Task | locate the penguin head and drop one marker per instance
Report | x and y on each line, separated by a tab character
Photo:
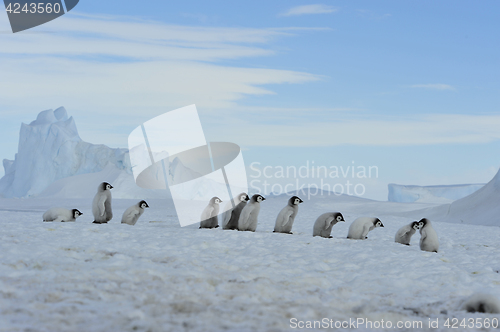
423	222
295	200
215	200
143	204
338	217
415	225
244	197
258	198
76	213
105	186
377	223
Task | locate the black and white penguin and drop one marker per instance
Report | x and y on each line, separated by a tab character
286	217
250	213
209	218
101	206
231	216
428	237
360	227
132	214
61	215
325	222
404	234
482	302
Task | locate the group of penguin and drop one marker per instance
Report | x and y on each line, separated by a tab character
101	209
242	213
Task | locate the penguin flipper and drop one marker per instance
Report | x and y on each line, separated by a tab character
245	214
100	205
366	229
207	213
130	215
226	217
286	218
328	221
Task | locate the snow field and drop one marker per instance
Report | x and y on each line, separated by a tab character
157	276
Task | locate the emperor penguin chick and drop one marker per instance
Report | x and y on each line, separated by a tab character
61	215
360	227
101	206
209	217
482	302
132	214
428	236
404	234
250	213
231	216
325	222
286	217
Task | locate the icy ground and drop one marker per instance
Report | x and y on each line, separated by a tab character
157	276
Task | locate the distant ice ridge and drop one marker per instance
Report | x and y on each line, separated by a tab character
430	194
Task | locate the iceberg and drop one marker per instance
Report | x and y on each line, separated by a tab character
430	194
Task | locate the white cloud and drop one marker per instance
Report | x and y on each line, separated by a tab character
309	9
434	86
344	128
112	73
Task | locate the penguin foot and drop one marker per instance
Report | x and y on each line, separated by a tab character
274	231
216	226
330	237
289	233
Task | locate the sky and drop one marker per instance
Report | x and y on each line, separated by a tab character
408	87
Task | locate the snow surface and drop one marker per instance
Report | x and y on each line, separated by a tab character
157	276
430	194
479	208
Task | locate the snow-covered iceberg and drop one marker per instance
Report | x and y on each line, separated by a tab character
50	149
53	161
430	194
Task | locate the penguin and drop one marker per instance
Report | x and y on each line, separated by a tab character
481	302
360	227
132	214
428	236
61	215
209	216
325	222
249	214
286	217
404	234
101	206
231	216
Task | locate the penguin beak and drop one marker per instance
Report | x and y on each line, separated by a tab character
301	201
381	225
111	187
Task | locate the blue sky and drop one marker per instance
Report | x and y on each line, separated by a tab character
411	87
